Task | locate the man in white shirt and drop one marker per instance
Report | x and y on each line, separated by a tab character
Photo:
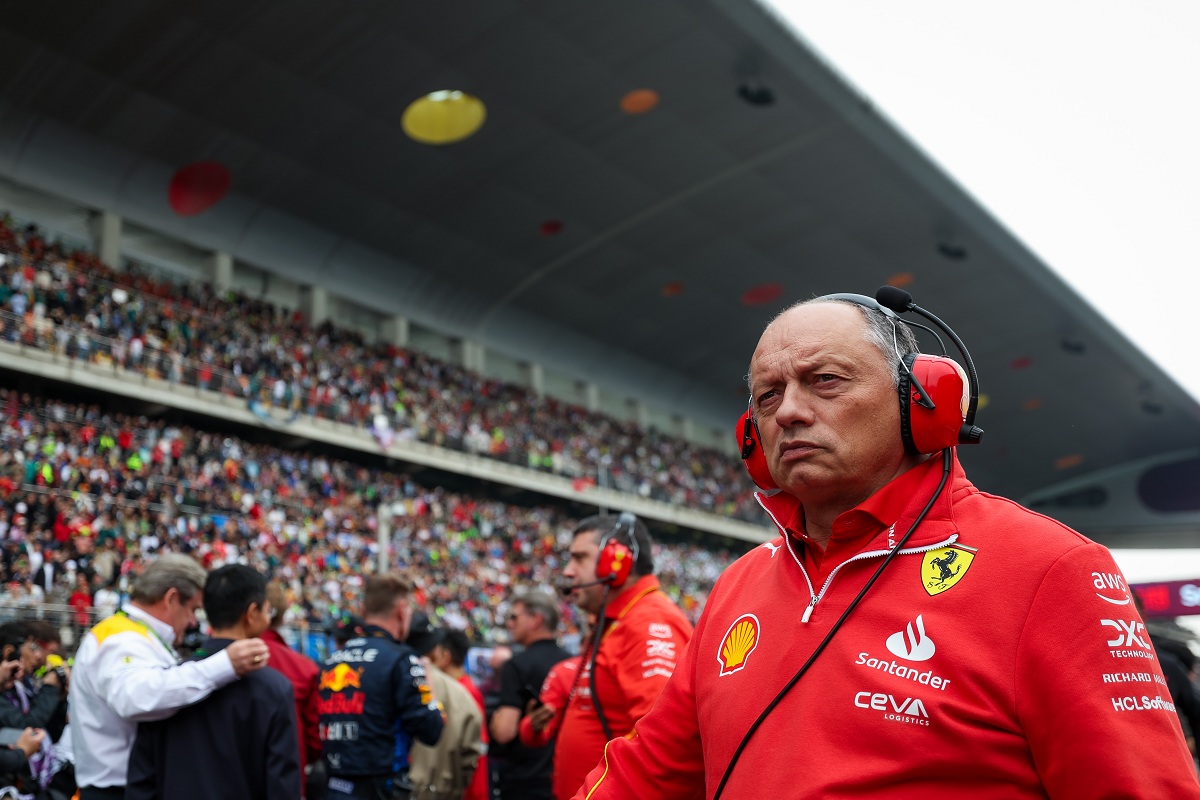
127	671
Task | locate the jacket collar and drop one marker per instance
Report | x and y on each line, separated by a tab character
620	605
374	631
165	632
272	635
214	645
885	516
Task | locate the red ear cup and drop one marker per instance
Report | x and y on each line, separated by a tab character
752	452
923	430
927	430
614	563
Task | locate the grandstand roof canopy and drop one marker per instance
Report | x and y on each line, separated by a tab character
669	236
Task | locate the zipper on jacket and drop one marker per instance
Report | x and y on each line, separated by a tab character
863	557
816	598
787	542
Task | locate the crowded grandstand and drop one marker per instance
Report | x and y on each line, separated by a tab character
324	379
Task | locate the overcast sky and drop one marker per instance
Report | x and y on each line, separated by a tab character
1077	124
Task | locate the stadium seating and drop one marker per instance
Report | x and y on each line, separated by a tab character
102	492
71	303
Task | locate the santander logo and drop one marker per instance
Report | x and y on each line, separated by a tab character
910	644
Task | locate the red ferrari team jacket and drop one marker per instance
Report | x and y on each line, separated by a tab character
999	656
557	687
646	636
556	691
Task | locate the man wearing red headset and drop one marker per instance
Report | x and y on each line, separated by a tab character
635	645
905	635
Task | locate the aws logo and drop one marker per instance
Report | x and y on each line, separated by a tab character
1108	583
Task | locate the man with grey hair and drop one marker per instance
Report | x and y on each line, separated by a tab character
127	671
904	634
532	623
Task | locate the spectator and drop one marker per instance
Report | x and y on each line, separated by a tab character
375	699
450	656
23	705
306	520
127	670
26	703
44	577
105	600
242	346
15	773
81	604
532	622
1178	664
302	672
448	768
241	741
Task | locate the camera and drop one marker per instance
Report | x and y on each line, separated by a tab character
10	648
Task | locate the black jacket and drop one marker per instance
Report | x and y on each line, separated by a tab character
374	698
14	770
239	744
47	709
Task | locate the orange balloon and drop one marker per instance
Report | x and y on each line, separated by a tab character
639	101
1066	462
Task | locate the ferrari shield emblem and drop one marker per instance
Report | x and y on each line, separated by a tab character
941	569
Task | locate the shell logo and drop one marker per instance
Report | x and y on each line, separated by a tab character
739	642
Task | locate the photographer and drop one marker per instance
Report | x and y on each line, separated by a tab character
15	758
22	703
27	764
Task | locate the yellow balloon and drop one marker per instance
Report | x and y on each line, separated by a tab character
443	117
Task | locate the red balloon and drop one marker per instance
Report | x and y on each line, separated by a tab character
198	187
762	294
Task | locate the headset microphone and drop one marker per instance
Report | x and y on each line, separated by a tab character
566	590
896	299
